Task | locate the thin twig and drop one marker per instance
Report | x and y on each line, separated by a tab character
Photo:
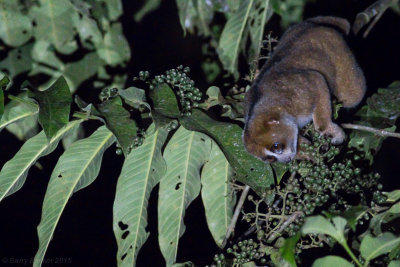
374	22
379	132
285	224
235	216
375	10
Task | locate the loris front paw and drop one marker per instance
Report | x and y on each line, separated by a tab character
336	133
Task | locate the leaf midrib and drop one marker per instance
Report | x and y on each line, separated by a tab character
26	114
184	193
71	192
146	185
376	251
27	166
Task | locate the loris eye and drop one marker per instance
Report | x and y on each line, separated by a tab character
277	148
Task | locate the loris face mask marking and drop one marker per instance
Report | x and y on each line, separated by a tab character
275	142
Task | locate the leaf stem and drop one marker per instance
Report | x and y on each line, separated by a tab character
348	250
379	132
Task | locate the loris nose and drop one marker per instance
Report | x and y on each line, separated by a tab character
287	159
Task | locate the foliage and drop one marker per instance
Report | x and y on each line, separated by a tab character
337	182
39	35
245	22
189	143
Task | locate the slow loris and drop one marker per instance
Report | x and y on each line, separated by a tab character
310	61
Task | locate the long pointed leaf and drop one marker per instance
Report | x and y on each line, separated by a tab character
14	172
142	170
185	153
77	168
15	111
54	21
232	35
217	193
261	12
15	28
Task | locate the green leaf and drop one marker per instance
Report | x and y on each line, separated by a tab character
280	169
164	101
184	264
114	9
228	136
392	213
277	258
54	22
77	168
392	196
229	43
205	13
88	30
352	215
147	8
18	60
381	111
261	12
386	102
291	11
43	52
1	103
115	48
185	154
134	97
372	247
185	7
332	261
394	264
3	85
214	97
15	28
20	117
78	72
54	106
118	121
72	136
367	142
14	172
320	225
289	248
217	193
394	253
141	172
211	70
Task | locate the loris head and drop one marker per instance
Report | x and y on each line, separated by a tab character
271	138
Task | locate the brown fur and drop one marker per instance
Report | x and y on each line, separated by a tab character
310	61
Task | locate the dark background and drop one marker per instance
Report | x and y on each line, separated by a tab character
84	235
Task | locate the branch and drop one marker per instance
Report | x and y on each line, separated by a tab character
235	216
285	224
379	132
375	10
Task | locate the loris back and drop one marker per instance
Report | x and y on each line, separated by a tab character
311	60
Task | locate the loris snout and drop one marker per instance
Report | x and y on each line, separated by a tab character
311	61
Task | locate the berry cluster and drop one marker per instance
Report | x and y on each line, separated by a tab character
172	125
332	179
137	141
107	93
189	96
242	252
